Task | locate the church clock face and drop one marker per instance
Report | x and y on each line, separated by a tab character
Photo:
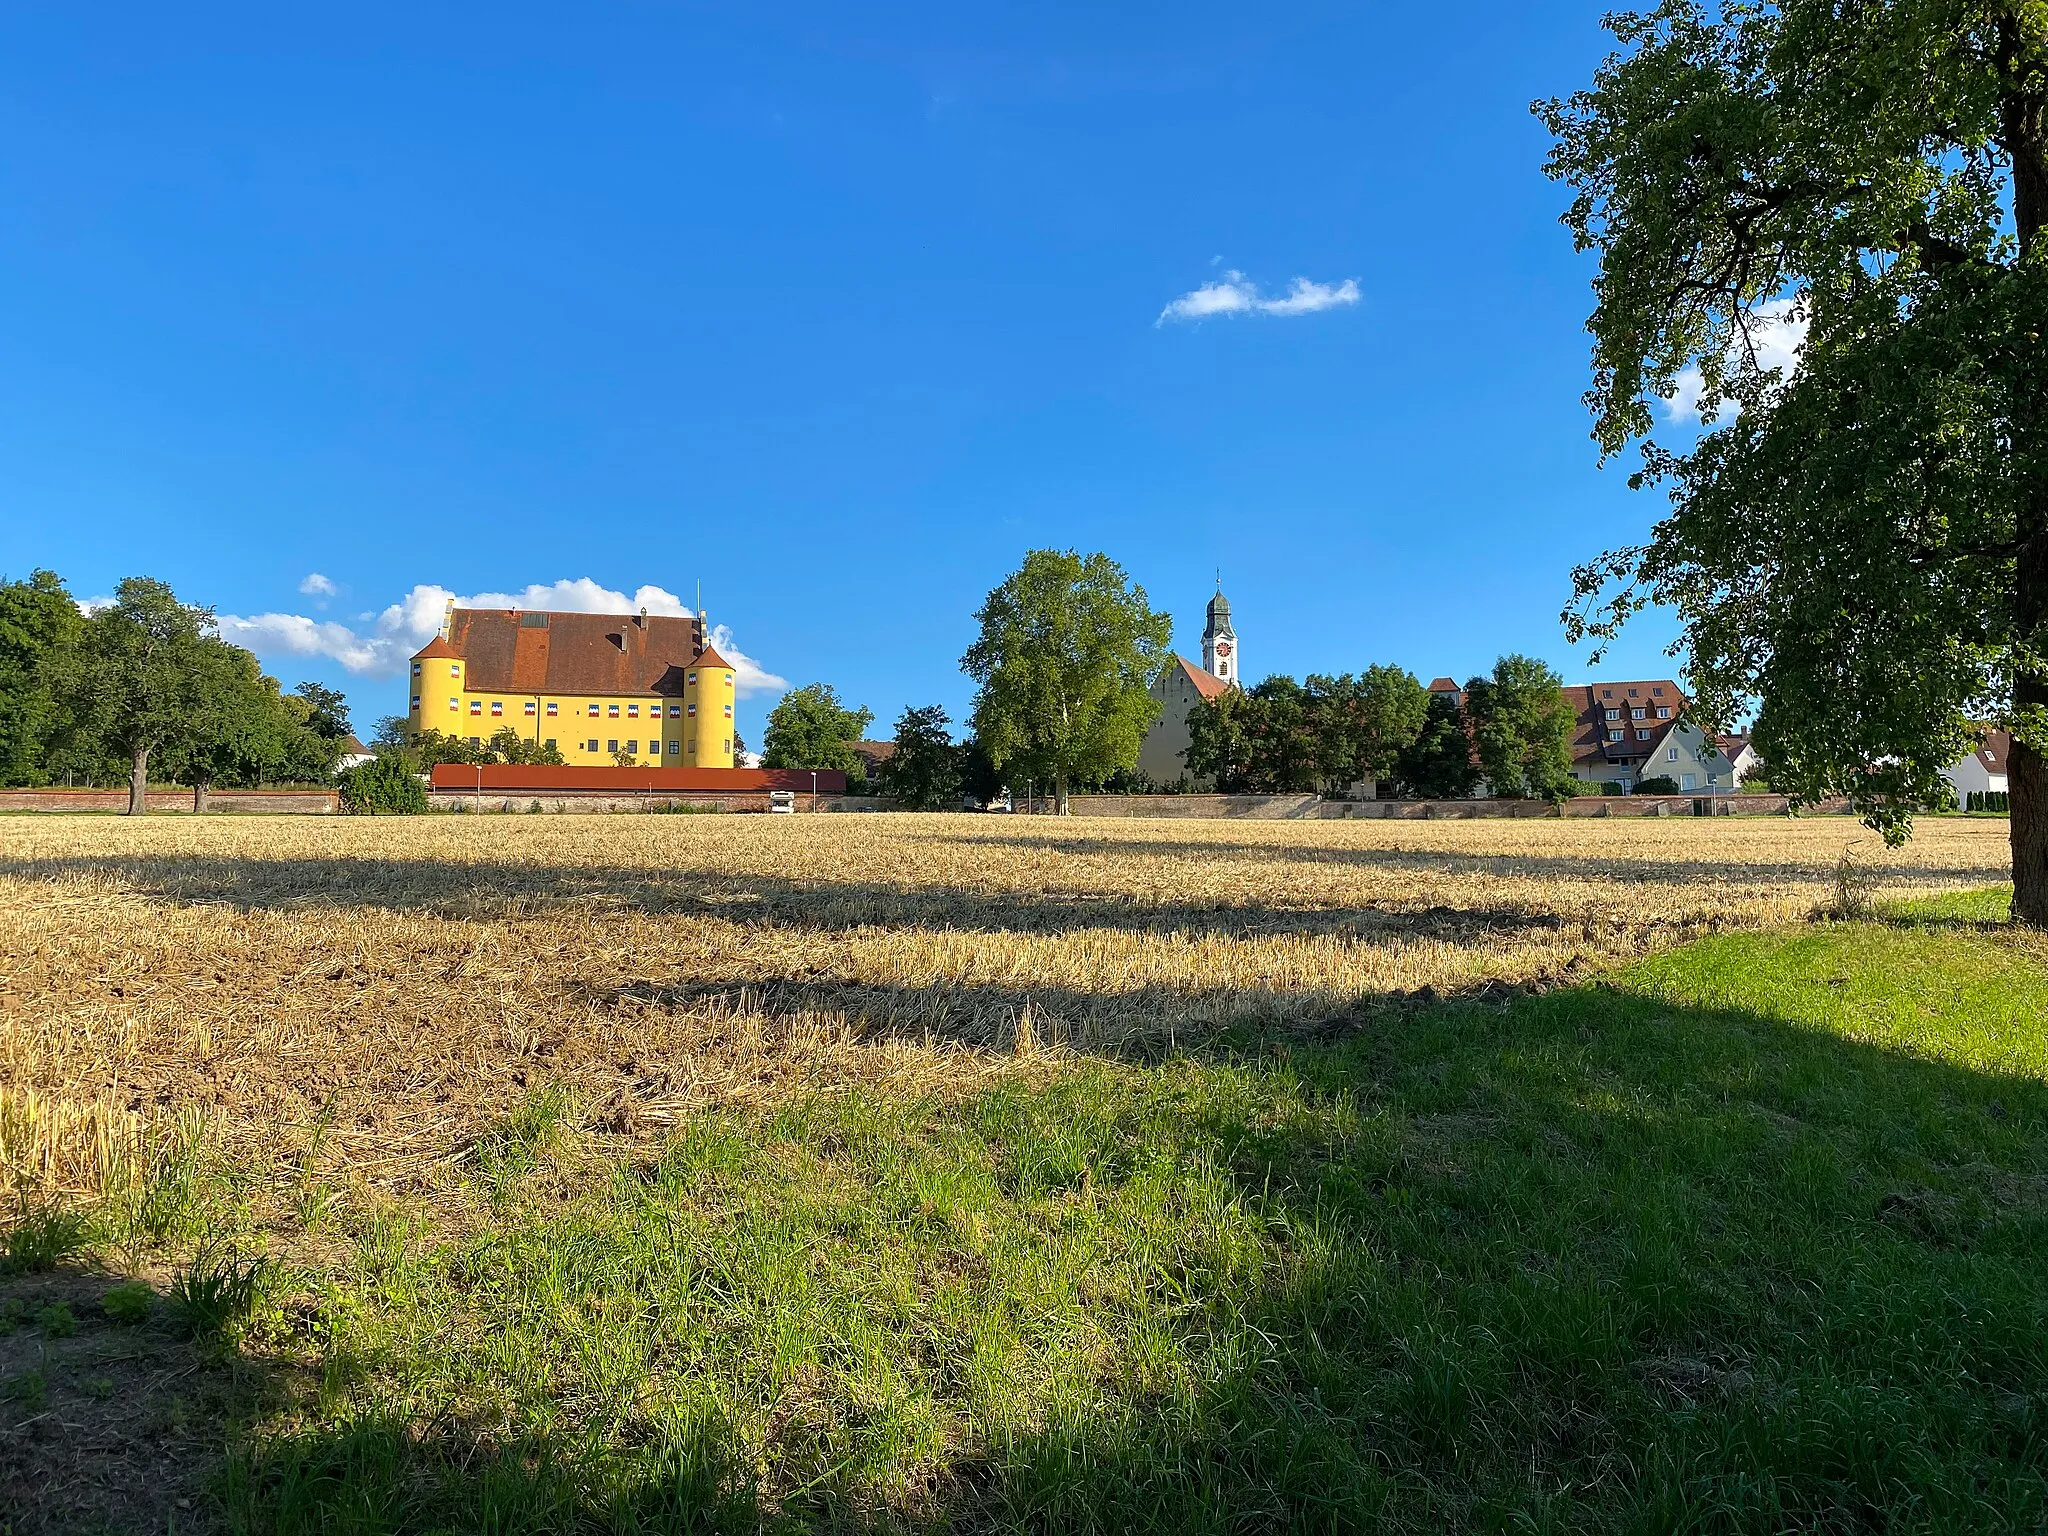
1223	648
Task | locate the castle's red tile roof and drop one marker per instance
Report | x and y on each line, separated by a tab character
436	647
511	650
711	658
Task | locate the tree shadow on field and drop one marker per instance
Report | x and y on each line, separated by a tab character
827	904
1572	863
1593	1260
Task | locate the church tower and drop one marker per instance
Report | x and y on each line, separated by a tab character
1219	641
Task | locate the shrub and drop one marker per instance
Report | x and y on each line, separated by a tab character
1997	801
57	1321
1658	784
384	786
127	1304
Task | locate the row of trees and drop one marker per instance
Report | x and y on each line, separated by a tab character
1067	653
1513	729
146	684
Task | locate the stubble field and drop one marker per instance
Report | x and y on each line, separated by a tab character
403	981
895	1173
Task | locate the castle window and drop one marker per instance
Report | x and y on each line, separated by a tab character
728	743
454	703
590	745
455	669
728	711
593	711
551	744
415	701
530	708
612	710
551	706
474	742
497	706
612	745
415	669
693	709
633	746
692	677
675	711
476	706
633	710
674	747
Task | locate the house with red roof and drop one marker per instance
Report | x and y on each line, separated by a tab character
1984	771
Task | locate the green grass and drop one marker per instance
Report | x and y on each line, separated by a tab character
1751	1236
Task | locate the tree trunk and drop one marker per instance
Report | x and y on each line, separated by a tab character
201	790
2024	125
138	781
1063	805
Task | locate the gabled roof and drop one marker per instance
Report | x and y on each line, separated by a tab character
1444	685
1591	701
510	650
1207	683
1996	751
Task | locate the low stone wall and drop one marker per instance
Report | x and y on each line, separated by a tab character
267	802
591	803
1314	808
1241	807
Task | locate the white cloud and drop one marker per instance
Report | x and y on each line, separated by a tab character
1775	334
748	675
1237	294
386	643
317	585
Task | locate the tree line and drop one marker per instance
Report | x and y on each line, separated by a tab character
145	685
1065	659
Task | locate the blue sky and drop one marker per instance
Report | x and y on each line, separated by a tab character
836	310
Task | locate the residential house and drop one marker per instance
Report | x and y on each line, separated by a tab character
1984	771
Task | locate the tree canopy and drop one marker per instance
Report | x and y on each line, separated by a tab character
1859	542
924	770
1065	660
39	624
1438	764
1522	729
810	728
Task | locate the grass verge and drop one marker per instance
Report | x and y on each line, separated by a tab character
1749	1235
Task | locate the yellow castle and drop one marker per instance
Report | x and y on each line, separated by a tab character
591	685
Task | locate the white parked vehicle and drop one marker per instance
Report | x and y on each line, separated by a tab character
782	802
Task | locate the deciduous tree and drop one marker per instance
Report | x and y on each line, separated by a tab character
924	770
146	669
1522	729
39	628
810	728
1438	765
1860	542
1065	661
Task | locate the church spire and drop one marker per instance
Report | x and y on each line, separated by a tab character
1219	640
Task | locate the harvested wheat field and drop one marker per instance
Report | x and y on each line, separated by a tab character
525	1174
402	981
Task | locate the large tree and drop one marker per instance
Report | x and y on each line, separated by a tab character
810	728
1065	661
1860	542
1522	729
145	677
1363	723
39	629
